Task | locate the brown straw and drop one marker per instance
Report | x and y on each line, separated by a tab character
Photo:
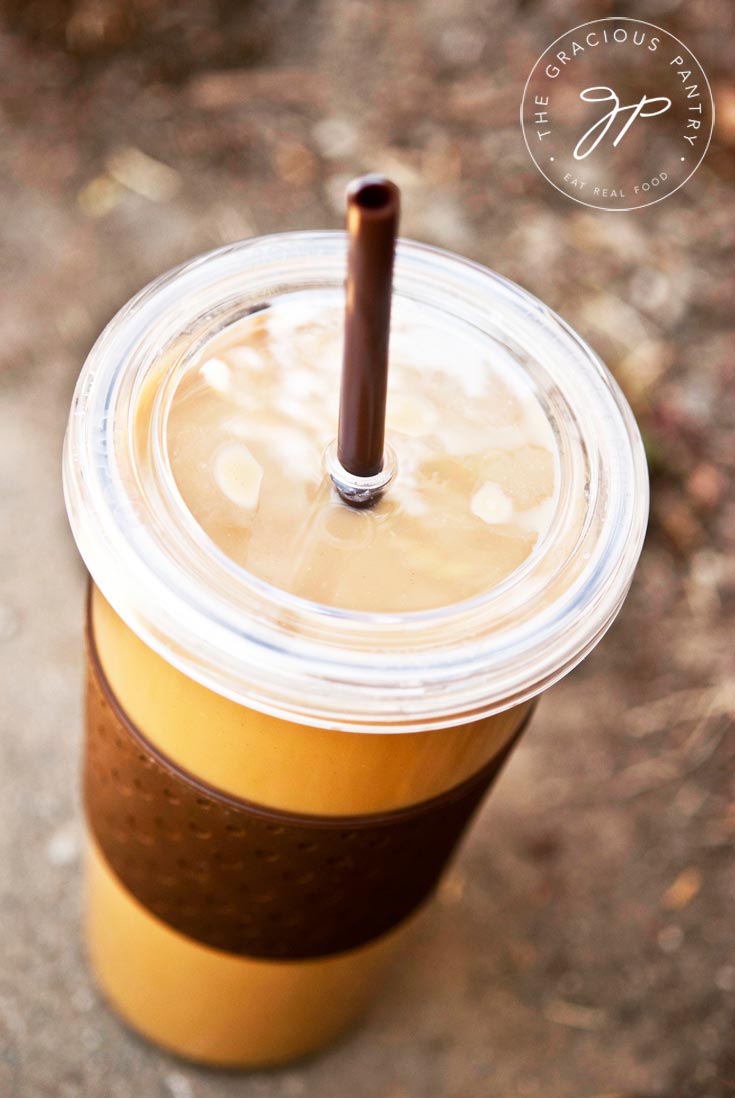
373	205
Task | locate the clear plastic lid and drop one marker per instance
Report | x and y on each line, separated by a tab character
330	665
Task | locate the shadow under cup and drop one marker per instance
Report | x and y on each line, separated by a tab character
273	787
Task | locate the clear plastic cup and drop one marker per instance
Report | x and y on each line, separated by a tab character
297	707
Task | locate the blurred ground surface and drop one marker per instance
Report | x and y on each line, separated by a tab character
581	945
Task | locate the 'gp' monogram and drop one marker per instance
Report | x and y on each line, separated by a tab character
607	95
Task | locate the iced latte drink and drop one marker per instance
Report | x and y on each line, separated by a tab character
295	706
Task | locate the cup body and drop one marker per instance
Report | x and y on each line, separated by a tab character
214	1005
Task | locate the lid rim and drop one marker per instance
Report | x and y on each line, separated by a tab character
278	663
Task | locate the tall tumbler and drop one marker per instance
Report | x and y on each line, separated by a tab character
294	707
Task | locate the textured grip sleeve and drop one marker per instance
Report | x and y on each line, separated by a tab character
244	878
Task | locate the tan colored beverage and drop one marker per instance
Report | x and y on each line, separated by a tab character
239	421
247	431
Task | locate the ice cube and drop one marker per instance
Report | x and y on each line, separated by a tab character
246	358
238	474
216	373
491	504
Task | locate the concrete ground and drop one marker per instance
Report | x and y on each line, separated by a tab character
582	945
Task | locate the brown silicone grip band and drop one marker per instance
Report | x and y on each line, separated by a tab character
247	879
